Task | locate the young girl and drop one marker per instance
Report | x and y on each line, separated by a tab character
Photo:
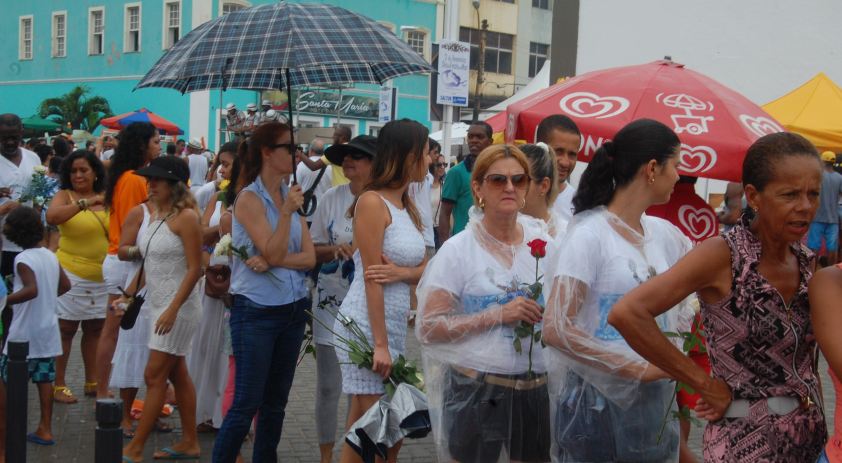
39	280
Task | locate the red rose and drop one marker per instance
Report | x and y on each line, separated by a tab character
538	248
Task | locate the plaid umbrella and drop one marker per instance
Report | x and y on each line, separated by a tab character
259	48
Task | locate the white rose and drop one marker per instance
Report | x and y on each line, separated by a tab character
223	247
39	169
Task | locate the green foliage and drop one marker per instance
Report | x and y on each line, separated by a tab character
77	108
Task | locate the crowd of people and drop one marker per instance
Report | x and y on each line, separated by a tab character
556	323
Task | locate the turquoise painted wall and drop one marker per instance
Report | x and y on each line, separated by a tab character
113	75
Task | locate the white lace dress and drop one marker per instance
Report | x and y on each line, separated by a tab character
403	244
164	269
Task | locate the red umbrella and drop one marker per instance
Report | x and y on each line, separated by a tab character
141	115
715	124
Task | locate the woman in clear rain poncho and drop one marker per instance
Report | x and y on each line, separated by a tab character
608	403
486	404
543	171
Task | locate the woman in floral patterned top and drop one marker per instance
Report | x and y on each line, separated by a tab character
763	401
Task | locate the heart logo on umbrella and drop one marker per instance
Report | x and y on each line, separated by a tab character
587	104
760	125
700	223
696	159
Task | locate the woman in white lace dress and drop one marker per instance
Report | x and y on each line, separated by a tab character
390	255
171	246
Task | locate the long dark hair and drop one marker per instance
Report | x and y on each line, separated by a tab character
616	162
93	161
231	191
250	153
400	147
130	154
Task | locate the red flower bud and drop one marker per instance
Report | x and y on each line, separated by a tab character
538	248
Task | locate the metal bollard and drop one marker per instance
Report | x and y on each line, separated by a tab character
17	391
108	446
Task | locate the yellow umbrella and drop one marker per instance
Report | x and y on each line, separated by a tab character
813	110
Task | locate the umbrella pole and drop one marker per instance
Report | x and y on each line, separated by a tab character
291	126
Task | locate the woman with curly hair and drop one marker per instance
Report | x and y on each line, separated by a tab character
78	211
139	143
172	247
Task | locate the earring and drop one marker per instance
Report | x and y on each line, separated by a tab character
651	180
523	204
755	210
482	203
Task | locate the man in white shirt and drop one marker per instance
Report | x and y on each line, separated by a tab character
562	135
197	163
307	177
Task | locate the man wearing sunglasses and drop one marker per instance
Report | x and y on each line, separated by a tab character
456	195
562	135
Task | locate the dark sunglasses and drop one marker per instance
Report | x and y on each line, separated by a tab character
292	147
441	164
519	181
356	155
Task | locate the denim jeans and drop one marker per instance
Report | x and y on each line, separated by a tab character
266	341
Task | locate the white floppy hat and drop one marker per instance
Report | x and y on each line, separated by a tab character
230	106
251	107
266	103
195	143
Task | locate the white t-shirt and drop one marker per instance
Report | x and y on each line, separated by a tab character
331	225
18	178
106	155
198	165
204	195
563	205
610	266
306	177
479	282
36	320
420	192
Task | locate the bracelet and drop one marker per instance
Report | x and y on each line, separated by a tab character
133	252
82	204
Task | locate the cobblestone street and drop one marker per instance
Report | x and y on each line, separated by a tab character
74	425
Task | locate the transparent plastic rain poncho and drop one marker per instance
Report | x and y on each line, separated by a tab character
601	410
485	406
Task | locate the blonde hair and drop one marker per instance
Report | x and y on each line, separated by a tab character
181	198
491	155
542	165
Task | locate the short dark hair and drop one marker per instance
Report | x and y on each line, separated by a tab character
11	120
43	152
489	131
555	122
344	131
171	149
23	227
93	161
61	146
768	150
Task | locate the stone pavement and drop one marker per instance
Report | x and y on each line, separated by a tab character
73	425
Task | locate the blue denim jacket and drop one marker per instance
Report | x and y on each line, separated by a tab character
287	285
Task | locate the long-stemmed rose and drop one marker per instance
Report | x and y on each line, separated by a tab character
225	247
538	249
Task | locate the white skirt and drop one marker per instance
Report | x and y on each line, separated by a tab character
207	361
132	353
86	300
115	272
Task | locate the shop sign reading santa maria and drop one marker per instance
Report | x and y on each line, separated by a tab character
327	103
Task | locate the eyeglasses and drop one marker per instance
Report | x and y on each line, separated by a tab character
519	181
357	155
441	164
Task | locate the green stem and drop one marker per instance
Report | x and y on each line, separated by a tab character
666	415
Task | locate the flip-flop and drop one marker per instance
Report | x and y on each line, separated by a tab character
32	437
170	454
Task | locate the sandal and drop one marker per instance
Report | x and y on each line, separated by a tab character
90	389
63	395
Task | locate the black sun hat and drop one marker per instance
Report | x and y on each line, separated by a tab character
365	144
167	168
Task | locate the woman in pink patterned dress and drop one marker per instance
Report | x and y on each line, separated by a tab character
763	401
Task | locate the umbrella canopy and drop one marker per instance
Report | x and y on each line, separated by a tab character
813	110
254	48
37	124
716	125
141	115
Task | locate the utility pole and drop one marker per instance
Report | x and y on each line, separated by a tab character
480	68
451	32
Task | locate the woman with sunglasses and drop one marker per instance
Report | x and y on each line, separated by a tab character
268	316
609	403
487	386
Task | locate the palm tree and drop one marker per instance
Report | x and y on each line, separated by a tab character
76	109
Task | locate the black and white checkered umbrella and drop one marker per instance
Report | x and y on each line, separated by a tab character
258	48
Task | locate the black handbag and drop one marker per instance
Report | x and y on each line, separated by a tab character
136	300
